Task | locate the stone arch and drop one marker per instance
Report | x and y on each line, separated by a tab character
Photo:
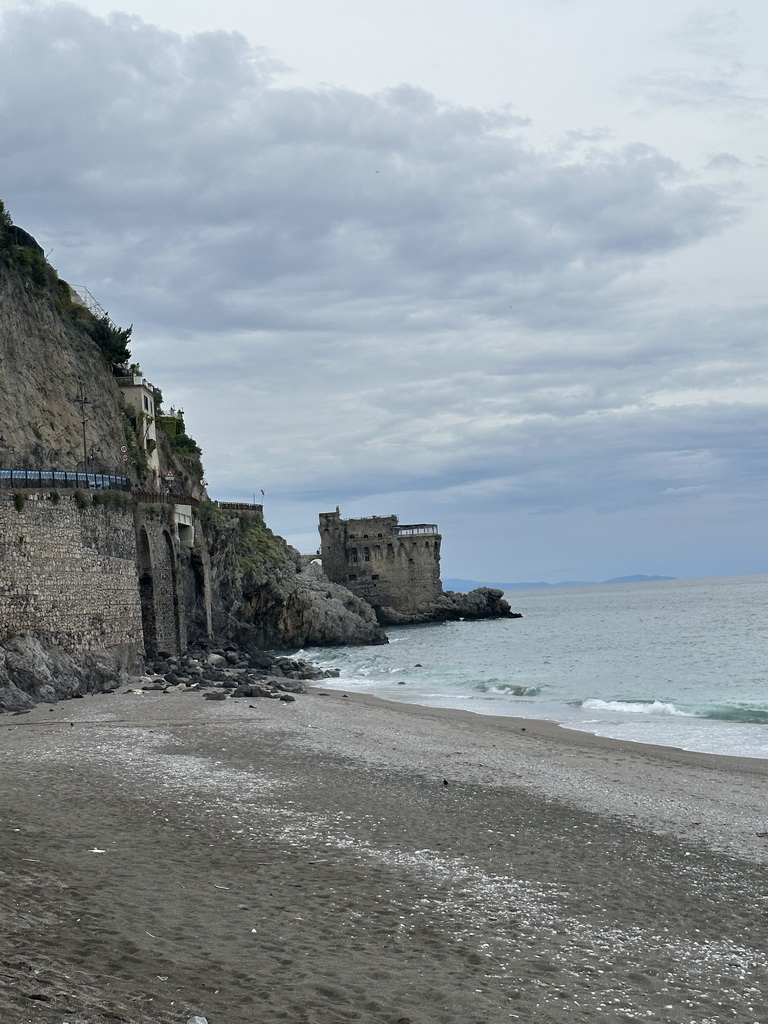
147	593
167	610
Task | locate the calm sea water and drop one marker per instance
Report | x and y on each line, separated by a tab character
679	663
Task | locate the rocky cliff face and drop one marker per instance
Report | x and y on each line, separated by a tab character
33	673
42	361
264	593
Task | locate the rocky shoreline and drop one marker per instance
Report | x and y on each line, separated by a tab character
34	673
230	671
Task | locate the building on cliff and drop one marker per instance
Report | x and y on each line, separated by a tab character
386	564
139	396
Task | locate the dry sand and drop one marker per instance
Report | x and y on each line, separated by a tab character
344	859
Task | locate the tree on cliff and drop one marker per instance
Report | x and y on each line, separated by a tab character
113	341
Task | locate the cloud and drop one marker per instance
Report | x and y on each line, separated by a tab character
183	159
720	87
725	162
379	297
712	72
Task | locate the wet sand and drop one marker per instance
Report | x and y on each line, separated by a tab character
345	859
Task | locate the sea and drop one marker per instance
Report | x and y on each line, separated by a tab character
680	663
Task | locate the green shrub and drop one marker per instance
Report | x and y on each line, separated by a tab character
81	499
19	500
55	497
257	546
114	499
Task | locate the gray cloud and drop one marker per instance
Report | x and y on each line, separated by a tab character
379	298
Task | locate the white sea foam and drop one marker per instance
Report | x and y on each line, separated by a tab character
589	658
655	707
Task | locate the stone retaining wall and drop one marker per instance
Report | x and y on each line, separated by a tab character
68	574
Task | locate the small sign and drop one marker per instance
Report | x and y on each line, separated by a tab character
124	457
123	449
169	475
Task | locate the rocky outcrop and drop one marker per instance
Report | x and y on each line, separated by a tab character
483	603
222	670
32	673
265	595
307	610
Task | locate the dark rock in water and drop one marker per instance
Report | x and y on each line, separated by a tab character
216	695
287	698
483	603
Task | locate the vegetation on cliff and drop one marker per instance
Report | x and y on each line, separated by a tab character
21	252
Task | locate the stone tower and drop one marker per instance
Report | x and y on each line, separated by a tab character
381	561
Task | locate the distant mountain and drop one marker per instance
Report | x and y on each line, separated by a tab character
639	579
462	586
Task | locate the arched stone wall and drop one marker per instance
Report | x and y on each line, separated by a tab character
146	591
162	603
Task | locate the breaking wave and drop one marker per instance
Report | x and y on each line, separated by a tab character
508	689
655	707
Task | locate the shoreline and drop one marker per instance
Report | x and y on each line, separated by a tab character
599	773
543	727
351	859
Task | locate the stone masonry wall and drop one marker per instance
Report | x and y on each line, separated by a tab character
381	561
161	574
68	574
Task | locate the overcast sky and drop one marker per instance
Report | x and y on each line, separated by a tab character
497	266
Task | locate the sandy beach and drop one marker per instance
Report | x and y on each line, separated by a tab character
344	859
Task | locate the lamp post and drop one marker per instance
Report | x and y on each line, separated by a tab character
82	400
8	450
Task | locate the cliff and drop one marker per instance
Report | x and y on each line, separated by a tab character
238	580
43	358
264	594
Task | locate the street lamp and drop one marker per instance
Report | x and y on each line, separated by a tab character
82	400
8	450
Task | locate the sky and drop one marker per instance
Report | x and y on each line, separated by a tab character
499	267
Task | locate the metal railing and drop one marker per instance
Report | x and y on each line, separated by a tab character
164	498
409	531
63	478
83	297
239	506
